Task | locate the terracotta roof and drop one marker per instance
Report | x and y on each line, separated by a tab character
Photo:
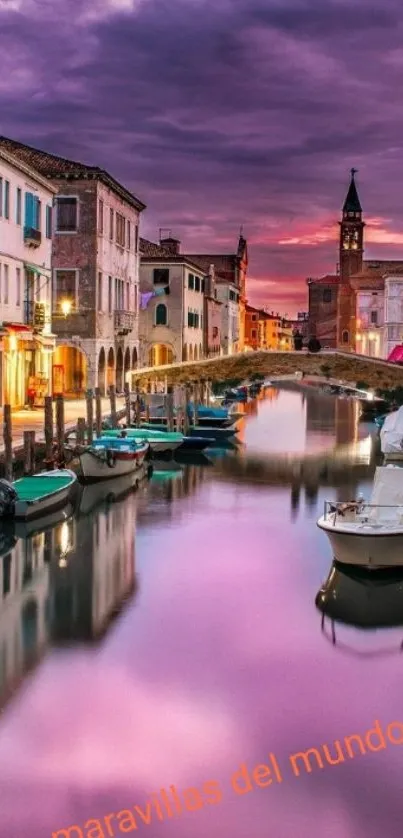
53	167
373	274
148	248
328	279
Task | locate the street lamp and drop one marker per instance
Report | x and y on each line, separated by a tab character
65	306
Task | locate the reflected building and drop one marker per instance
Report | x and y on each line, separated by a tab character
90	584
24	609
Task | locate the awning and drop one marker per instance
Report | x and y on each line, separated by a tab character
37	270
25	332
397	354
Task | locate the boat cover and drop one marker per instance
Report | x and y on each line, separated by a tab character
392	433
387	494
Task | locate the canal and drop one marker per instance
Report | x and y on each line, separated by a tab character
163	661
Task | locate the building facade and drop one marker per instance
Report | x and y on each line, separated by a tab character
251	327
228	294
95	256
392	327
26	339
212	316
172	305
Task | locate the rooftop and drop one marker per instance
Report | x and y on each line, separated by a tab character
60	168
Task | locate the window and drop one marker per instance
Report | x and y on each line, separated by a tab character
196	320
66	214
345	336
191	282
100	216
253	333
161	318
197	283
18	286
6	199
48	222
18	206
65	289
135	299
32	212
99	291
161	276
5	284
327	295
128	235
1	197
110	294
254	317
120	230
202	285
128	296
190	318
374	318
111	224
136	239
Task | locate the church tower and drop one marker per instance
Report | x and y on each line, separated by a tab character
351	259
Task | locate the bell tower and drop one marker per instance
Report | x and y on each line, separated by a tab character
351	259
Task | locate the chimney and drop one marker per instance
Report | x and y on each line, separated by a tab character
173	246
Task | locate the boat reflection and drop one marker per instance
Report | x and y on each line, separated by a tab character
354	597
63	579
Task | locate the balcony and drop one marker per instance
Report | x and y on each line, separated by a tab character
32	237
124	322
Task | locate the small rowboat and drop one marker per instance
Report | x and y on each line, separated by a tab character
31	497
111	457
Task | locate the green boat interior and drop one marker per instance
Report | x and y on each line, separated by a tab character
35	488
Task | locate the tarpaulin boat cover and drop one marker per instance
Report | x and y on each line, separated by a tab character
387	493
392	433
397	354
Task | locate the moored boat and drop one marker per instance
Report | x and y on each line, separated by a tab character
369	534
36	495
110	457
159	441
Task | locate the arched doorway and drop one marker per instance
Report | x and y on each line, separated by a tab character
73	363
119	370
110	369
101	371
126	375
159	355
184	352
134	359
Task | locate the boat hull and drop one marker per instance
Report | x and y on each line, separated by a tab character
27	510
124	462
363	550
217	434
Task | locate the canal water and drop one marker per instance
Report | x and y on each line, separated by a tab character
156	650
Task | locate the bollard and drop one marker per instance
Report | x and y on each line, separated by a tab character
48	430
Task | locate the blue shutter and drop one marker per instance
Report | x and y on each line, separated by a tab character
29	211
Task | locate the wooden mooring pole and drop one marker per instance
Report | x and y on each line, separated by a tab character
98	412
60	427
48	431
80	432
29	452
170	408
112	398
127	404
89	398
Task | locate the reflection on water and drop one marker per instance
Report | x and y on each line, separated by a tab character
219	655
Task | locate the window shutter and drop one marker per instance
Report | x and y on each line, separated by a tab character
29	210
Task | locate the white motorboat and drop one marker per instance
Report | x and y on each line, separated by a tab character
391	435
108	457
370	533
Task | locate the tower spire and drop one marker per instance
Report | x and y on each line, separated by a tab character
352	202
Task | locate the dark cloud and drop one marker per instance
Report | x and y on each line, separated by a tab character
218	114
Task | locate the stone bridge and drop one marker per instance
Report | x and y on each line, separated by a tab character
343	366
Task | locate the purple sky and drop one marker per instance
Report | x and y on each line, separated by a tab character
220	114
